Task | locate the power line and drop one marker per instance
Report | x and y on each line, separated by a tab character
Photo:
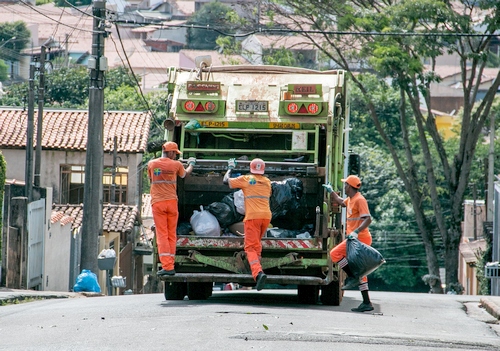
302	31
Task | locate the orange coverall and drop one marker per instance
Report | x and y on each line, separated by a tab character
357	209
162	173
257	192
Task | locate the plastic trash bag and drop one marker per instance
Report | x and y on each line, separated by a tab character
229	200
86	281
107	253
204	223
239	201
286	195
363	259
223	212
287	233
184	228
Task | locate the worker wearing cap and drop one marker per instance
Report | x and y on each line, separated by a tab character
163	173
357	221
257	193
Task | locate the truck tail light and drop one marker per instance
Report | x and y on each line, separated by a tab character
200	106
303	108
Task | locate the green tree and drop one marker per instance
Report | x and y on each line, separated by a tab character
67	87
212	15
14	37
437	185
4	71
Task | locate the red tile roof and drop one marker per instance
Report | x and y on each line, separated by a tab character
67	129
116	218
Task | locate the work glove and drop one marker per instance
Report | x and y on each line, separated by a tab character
191	161
353	235
328	188
231	163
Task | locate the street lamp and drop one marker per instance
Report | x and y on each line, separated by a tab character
7	41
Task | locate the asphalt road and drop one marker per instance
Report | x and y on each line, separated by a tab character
249	320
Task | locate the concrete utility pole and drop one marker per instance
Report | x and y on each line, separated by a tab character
28	180
39	129
93	187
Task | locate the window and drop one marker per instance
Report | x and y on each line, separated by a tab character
73	179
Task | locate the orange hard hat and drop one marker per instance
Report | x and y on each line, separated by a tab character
257	166
353	181
171	146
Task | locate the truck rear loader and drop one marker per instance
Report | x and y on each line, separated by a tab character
295	120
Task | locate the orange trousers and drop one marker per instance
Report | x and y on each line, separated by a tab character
165	215
254	231
340	251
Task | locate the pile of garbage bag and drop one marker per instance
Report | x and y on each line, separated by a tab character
285	203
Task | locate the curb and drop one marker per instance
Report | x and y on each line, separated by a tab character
491	307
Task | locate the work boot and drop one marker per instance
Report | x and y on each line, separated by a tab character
350	282
163	272
261	280
364	307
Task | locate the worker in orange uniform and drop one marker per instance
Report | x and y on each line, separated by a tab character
163	173
357	222
257	193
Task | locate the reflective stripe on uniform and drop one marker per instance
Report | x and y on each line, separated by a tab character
164	181
256	197
166	254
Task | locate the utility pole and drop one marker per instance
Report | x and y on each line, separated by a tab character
28	180
93	187
41	93
113	172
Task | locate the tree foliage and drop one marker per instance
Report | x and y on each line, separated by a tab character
435	179
14	37
212	15
68	87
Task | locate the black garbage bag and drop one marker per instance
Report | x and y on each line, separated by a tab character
286	233
223	212
286	195
363	259
229	200
184	228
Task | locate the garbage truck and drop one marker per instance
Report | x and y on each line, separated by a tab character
295	120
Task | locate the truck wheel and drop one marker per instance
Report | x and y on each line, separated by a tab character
308	294
175	291
199	291
331	294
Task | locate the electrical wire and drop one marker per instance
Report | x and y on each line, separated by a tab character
53	20
302	31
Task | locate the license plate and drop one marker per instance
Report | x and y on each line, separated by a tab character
251	106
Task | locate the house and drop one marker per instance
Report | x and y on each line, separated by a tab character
63	155
121	228
472	246
256	46
447	95
62	174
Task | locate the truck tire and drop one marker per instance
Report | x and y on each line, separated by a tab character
175	291
199	291
331	294
308	294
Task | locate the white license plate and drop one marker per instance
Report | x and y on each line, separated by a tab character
251	106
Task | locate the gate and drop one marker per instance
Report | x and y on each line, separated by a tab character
36	233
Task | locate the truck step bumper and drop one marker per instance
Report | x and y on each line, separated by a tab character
244	279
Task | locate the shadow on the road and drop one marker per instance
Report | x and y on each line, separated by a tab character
269	298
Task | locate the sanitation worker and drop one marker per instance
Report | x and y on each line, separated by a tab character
163	173
257	193
357	222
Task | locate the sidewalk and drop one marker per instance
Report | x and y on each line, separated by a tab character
11	296
492	305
